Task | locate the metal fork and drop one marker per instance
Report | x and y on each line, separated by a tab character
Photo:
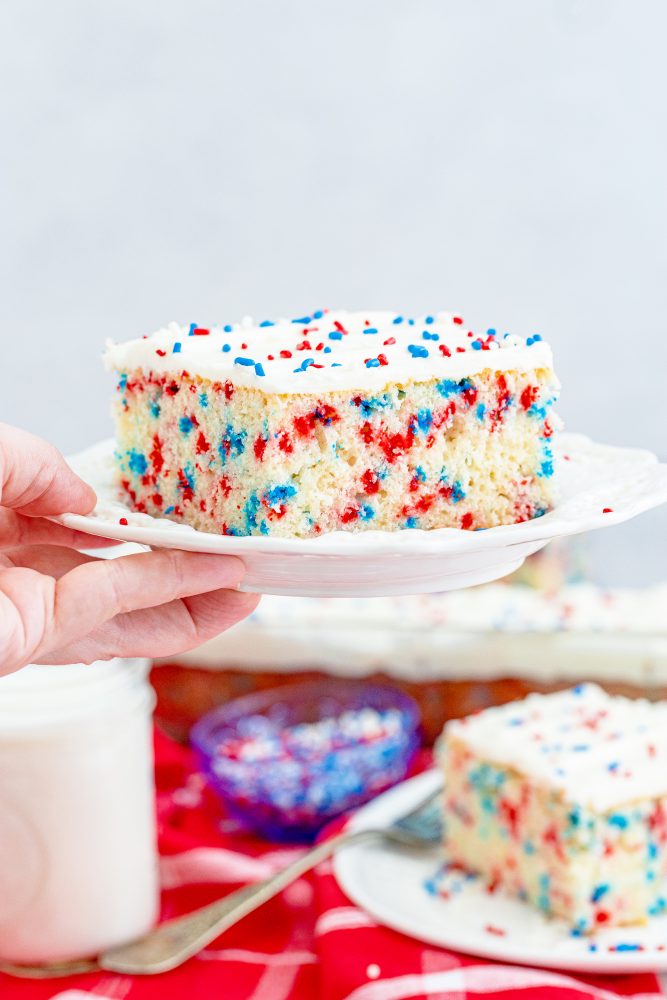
173	942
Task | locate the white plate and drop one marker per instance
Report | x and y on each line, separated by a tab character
391	885
380	563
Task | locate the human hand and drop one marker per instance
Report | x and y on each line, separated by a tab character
59	606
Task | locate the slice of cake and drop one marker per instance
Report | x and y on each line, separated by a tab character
335	421
561	799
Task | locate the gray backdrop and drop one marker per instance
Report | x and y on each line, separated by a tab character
202	160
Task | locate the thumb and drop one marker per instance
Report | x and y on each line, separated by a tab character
36	480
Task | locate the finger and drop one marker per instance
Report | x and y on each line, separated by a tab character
16	529
40	613
51	560
35	478
165	631
100	589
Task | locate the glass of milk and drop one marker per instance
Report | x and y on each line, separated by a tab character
78	859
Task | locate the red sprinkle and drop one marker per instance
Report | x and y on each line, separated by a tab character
122	520
444	350
389	341
200	331
607	510
457	319
498	931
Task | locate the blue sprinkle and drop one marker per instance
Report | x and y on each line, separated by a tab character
397	320
448	387
366	512
491	332
259	370
246	362
578	689
176	349
137	462
372	363
481	410
226	348
191	331
250	510
627	947
476	345
335	335
318	314
430	336
122	381
203	400
613	766
411	322
652	850
278	494
169	510
417	351
306	363
267	322
458	492
599	891
185	425
424	420
370	329
411	522
302	319
326	350
429	320
232	444
336	364
618	820
228	328
154	408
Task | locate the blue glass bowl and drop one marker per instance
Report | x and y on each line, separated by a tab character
288	760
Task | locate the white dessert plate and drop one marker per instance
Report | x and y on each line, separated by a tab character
403	890
593	478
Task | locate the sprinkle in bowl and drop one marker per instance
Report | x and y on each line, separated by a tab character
288	760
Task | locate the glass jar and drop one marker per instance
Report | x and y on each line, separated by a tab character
78	859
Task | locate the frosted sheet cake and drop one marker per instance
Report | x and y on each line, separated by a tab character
335	421
561	799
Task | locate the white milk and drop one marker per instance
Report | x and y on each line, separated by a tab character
78	861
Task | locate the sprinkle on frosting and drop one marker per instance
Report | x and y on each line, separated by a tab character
259	354
597	749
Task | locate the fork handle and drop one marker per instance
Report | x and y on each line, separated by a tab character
173	942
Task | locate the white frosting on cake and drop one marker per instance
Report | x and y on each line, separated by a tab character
329	351
597	750
477	634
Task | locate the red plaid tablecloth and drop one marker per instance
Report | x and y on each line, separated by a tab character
311	943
